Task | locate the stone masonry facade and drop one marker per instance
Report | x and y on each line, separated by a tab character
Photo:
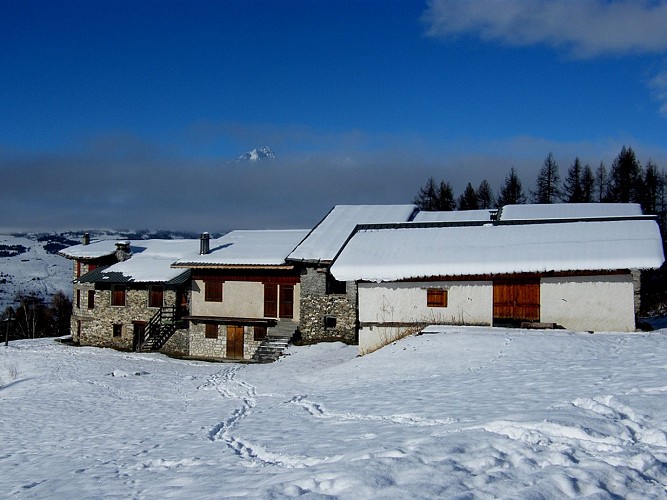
98	330
207	348
317	305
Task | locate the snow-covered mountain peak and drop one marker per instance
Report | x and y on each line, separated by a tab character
258	154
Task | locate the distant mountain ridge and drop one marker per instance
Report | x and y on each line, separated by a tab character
258	154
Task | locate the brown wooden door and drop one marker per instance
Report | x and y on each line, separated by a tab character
270	300
139	334
287	301
516	300
234	342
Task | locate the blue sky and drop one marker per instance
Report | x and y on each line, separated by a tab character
127	114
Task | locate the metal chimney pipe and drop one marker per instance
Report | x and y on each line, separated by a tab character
86	238
204	244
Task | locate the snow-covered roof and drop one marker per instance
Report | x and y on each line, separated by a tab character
328	237
260	247
569	211
94	250
454	216
150	261
404	253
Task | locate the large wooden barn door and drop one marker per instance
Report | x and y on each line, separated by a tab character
234	342
516	300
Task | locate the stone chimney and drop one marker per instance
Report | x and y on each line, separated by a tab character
86	238
123	251
204	244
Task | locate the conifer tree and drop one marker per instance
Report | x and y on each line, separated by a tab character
548	182
485	195
426	197
625	178
601	182
469	199
445	199
572	188
511	193
587	185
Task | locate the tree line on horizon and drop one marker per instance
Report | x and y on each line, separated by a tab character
627	181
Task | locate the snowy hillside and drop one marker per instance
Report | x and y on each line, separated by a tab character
29	265
467	413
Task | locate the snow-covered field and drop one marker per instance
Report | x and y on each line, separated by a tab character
464	413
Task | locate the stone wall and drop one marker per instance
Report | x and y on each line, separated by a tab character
316	305
98	330
201	347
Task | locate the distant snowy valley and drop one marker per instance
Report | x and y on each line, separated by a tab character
464	412
30	264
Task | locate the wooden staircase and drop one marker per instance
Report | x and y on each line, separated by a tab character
277	339
162	325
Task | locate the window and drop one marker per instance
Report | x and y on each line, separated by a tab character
260	333
330	322
155	296
78	299
213	291
436	297
211	331
91	299
117	330
335	287
118	295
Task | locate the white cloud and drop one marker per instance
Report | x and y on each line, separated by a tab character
585	28
658	86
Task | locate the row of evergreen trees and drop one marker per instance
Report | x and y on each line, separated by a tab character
627	181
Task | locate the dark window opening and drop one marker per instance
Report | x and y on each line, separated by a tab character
335	287
117	330
260	332
330	322
91	299
211	331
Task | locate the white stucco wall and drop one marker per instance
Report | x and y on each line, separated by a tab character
589	303
468	302
240	299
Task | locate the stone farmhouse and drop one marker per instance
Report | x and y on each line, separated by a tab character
363	275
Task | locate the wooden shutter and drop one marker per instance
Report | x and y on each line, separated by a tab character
287	301
213	291
270	300
155	296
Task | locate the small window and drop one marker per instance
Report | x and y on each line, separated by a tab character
259	332
213	291
211	331
330	322
117	330
155	296
335	287
91	299
436	297
78	299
